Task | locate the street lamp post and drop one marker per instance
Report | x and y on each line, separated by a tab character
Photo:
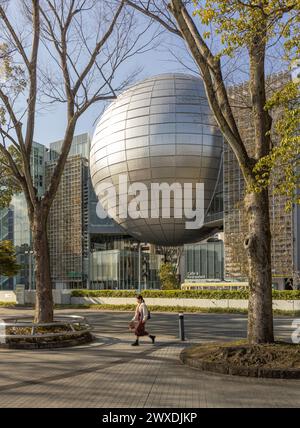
30	253
140	267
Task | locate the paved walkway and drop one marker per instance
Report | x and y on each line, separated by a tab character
110	373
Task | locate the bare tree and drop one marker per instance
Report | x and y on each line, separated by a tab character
64	52
249	26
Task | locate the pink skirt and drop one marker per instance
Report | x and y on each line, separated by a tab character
139	329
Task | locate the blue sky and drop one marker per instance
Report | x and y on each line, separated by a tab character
51	124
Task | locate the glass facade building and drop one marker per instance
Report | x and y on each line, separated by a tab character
284	224
85	250
204	261
66	228
80	147
120	269
16	219
22	233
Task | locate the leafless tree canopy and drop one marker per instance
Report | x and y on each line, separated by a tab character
68	52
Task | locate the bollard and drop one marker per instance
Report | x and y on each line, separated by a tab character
181	327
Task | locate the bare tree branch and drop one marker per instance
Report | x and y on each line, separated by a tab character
146	11
33	77
214	82
14	36
97	49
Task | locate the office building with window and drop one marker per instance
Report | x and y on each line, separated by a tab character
85	250
284	224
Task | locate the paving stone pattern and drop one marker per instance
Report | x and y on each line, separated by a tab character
110	373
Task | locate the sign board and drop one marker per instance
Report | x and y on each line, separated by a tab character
74	275
194	276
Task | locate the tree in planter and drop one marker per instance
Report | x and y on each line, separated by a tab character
168	277
62	59
8	262
250	26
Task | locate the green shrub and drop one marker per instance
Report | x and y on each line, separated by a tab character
188	294
7	304
103	293
286	294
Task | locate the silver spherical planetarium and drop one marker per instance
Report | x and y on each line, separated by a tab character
160	130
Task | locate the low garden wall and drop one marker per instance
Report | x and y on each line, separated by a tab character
283	305
8	297
219	299
60	297
210	299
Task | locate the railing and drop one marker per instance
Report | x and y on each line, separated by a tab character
70	321
214	285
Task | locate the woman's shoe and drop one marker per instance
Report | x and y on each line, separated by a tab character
136	343
152	338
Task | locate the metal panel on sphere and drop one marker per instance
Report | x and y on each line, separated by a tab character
159	130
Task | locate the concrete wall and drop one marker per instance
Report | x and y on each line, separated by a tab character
7	296
284	305
60	297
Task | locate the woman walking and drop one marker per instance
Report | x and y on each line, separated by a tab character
139	320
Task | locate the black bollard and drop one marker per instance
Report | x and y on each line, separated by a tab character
181	327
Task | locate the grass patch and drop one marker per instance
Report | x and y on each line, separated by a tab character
156	308
171	309
188	294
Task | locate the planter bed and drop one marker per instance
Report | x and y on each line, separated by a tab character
23	333
278	360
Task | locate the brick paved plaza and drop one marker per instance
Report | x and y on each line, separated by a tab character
110	373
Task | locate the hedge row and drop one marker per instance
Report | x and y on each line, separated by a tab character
7	304
185	294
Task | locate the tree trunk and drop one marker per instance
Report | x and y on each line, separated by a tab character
258	248
44	298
